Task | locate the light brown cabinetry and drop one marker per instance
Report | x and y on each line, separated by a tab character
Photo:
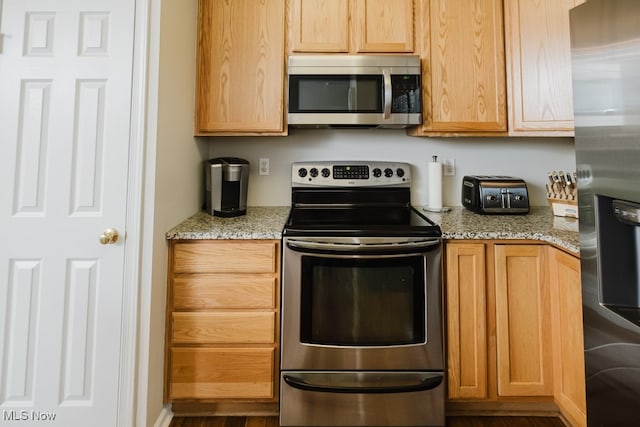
514	334
240	68
568	363
538	52
523	321
490	67
463	70
222	321
351	26
495	68
498	320
466	314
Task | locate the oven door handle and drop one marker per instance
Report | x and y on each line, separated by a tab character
424	381
399	246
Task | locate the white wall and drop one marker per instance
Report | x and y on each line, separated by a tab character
526	158
174	159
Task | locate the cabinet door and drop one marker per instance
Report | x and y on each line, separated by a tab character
569	378
383	26
523	321
539	66
466	320
463	67
240	67
319	26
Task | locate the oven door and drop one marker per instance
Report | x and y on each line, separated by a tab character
361	304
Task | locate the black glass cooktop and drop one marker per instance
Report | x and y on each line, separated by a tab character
377	220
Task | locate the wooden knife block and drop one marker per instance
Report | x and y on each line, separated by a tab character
562	207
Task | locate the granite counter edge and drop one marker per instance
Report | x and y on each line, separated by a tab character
267	223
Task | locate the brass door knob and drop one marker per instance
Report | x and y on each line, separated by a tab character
109	236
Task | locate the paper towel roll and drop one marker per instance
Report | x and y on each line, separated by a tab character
434	185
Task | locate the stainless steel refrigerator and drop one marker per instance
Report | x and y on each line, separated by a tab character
605	46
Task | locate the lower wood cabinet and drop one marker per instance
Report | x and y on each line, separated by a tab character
466	314
523	321
513	321
498	318
514	325
222	321
222	373
566	297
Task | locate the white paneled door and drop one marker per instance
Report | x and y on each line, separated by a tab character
65	108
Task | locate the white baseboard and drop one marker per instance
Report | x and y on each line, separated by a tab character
164	419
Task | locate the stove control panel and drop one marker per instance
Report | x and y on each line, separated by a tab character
350	174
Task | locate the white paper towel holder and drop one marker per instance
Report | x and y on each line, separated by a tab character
434	171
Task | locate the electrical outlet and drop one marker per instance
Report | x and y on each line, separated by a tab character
449	167
264	166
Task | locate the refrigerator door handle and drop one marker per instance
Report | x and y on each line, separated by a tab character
626	212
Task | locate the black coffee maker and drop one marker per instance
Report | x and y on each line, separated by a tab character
226	181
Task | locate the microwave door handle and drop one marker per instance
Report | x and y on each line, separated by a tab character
386	74
350	98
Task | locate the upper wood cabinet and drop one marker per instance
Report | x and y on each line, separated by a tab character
319	25
351	26
463	69
538	55
240	67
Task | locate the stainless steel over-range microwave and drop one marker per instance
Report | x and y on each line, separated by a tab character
354	91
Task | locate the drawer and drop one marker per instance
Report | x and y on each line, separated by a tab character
210	373
223	327
225	256
210	291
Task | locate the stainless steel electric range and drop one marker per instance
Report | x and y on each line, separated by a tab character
361	300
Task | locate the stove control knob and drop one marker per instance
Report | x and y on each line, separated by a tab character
400	172
377	172
313	172
325	172
388	172
302	172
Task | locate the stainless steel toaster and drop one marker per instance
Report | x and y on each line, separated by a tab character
495	194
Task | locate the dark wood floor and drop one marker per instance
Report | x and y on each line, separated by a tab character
451	422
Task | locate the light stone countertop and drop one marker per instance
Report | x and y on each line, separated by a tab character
460	223
538	224
260	222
